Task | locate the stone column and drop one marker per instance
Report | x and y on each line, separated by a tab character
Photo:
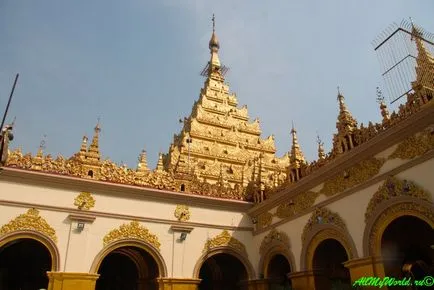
178	284
366	267
71	281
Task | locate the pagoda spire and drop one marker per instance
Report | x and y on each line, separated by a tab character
142	166
321	154
83	149
424	62
93	153
38	159
214	66
346	125
160	165
296	156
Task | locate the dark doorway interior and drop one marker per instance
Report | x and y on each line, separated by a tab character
24	264
328	260
127	268
278	269
222	271
407	241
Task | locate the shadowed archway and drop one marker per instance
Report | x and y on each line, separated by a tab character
406	243
24	263
128	268
327	263
277	272
222	271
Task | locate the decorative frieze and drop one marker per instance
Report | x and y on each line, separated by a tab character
353	176
415	145
264	220
299	204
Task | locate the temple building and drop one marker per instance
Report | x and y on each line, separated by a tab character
222	211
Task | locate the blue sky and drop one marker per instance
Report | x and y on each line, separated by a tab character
136	64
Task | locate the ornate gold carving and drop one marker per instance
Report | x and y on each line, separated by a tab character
133	230
299	204
29	221
355	175
391	214
322	216
392	188
84	201
264	220
415	145
225	240
182	213
274	237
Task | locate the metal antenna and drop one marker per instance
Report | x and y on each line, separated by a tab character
9	102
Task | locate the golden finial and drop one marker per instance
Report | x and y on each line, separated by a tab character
160	165
340	97
383	107
142	166
41	147
321	154
98	127
213	43
296	156
93	152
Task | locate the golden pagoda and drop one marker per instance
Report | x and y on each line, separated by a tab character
218	141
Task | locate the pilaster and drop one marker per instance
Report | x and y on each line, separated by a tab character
261	284
304	280
180	239
71	281
76	251
178	284
365	267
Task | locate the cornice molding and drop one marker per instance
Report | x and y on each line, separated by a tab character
414	124
94	214
37	178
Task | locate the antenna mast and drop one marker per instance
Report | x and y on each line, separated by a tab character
9	102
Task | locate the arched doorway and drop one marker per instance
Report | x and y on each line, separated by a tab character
277	271
328	261
24	264
407	240
128	268
222	271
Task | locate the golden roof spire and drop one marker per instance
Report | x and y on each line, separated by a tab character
83	148
321	154
93	153
142	166
38	159
346	123
383	106
296	157
160	165
424	60
214	46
